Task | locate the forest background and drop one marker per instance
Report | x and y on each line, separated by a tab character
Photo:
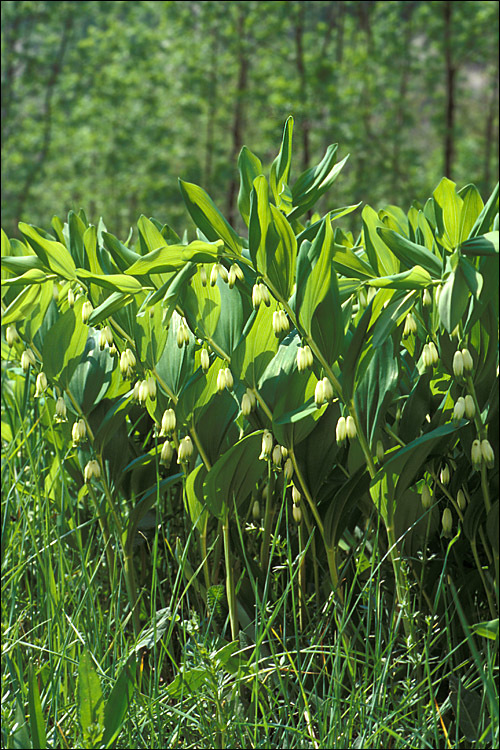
106	104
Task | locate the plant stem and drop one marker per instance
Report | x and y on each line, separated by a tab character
230	592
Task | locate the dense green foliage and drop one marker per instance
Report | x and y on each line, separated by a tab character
264	461
105	104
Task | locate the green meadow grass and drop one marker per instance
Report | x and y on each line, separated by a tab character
349	678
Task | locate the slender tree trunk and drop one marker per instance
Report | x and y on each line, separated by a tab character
237	129
39	159
450	71
489	127
301	69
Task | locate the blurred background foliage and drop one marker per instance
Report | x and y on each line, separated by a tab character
106	104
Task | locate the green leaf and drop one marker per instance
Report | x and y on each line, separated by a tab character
207	216
234	475
295	413
193	492
448	207
483	244
379	254
53	254
117	282
471	209
122	255
410	253
375	391
256	348
348	263
90	701
24	304
36	722
64	344
33	276
453	299
115	301
485	220
281	258
202	306
280	169
358	342
487	629
343	504
118	703
249	167
314	182
416	278
174	257
20	265
151	238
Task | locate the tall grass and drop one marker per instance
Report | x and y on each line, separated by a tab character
345	675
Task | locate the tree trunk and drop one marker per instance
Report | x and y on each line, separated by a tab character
237	129
450	71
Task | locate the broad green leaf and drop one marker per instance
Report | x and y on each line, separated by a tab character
36	722
23	305
64	344
233	312
471	209
280	169
261	234
31	324
118	703
448	206
151	238
53	254
249	167
483	244
453	299
20	265
343	504
117	282
487	629
90	700
416	278
380	255
484	222
198	392
115	301
359	341
90	243
234	475
207	216
150	335
90	377
374	392
281	259
76	230
348	263
33	276
257	348
295	413
123	256
175	366
202	305
193	497
174	257
314	182
410	253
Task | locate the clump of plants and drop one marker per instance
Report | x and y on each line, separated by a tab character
316	412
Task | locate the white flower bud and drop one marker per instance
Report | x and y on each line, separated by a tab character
143	392
350	427
251	396
296	496
102	339
265	295
203	276
427	357
301	360
182	335
277	456
246	405
71	298
267	445
410	325
288	469
476	455
461	500
108	333
379	451
308	355
185	450
92	469
285	324
297	514
458	364
78	432
11	335
256	510
27	359
222	271
487	454
151	383
135	393
168	422
341	431
434	355
213	274
41	384
205	360
327	389
231	278
238	271
426	298
167	453
87	311
468	361
221	380
470	407
447	522
276	322
425	497
458	409
256	296
319	394
455	333
229	378
60	410
444	475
